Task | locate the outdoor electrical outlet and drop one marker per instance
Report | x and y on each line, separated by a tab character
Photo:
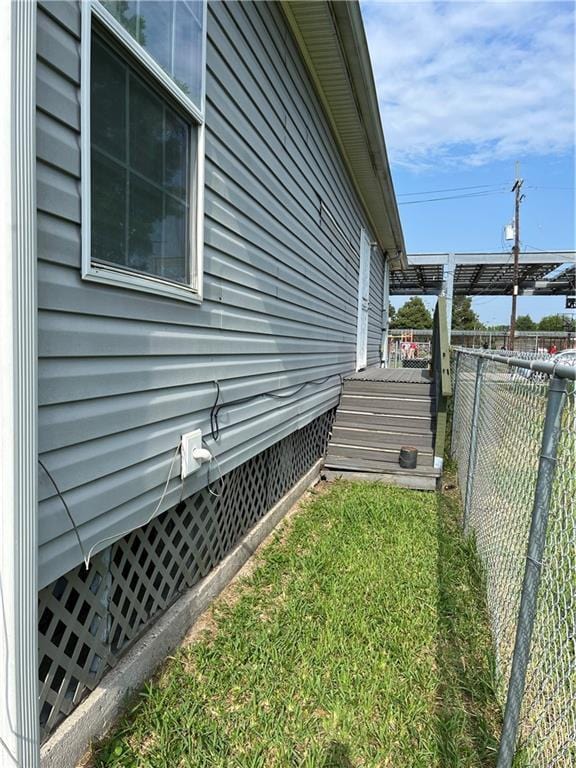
191	442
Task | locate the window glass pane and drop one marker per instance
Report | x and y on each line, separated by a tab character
175	238
146	131
145	235
177	164
141	196
125	11
171	31
155	30
188	49
108	210
108	101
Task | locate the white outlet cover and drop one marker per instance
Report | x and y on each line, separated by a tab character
190	441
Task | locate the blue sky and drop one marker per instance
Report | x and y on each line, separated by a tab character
466	89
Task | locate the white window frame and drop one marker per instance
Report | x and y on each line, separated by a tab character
117	276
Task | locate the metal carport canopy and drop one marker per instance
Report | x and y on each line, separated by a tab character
540	273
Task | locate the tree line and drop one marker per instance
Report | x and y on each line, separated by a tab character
414	314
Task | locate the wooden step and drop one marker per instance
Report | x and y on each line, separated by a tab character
388	388
354	417
388	405
402	479
368	465
388	375
380	437
379	413
386	455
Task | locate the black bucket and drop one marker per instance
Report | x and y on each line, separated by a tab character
408	457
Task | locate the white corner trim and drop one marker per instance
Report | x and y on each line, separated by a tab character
19	743
93	718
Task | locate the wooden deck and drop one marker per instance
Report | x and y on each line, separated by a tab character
395	375
381	411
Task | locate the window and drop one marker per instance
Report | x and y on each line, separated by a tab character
171	31
142	164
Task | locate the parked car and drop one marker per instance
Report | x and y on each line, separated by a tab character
565	357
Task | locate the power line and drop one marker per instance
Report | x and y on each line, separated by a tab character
563	189
450	189
452	197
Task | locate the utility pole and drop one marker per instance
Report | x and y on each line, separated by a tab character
516	251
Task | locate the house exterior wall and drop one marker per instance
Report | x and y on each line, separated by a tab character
123	374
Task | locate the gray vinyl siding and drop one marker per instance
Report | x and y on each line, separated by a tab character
123	374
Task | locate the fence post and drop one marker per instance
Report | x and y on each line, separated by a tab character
454	402
473	440
532	572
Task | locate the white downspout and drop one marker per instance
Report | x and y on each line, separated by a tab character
385	313
19	743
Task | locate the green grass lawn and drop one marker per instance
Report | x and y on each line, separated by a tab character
360	639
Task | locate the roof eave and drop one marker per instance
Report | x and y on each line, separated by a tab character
357	129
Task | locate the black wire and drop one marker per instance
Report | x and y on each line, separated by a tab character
560	189
217	407
65	505
215	433
450	189
214	428
301	387
452	197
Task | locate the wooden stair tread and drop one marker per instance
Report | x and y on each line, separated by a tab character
379	437
403	480
365	465
397	388
414	423
381	458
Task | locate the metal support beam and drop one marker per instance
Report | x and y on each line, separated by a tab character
533	570
476	277
496	257
421	280
448	273
489	275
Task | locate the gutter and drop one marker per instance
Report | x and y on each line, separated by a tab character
350	27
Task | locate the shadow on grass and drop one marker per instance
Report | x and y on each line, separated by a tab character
337	756
468	717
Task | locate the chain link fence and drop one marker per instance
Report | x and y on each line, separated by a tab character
516	493
406	353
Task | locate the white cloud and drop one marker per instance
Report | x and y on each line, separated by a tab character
472	82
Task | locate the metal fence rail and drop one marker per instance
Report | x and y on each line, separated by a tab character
514	438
